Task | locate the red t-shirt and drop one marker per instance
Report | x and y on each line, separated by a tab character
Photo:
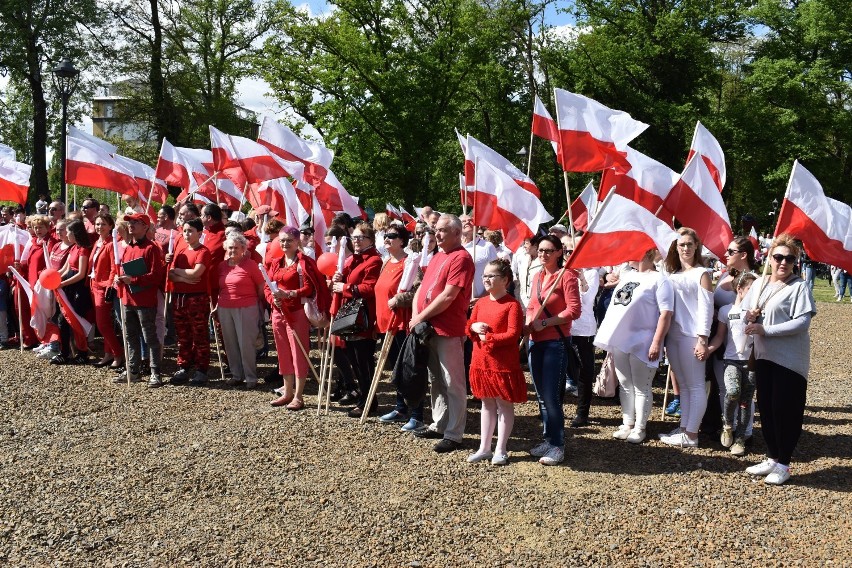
238	284
58	255
453	268
386	288
564	303
186	259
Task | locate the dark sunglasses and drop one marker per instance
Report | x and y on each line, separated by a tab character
779	258
391	236
732	251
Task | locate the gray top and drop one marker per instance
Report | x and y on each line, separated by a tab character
786	319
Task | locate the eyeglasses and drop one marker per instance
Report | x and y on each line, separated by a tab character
285	241
546	251
732	251
358	237
490	276
686	245
87	207
779	258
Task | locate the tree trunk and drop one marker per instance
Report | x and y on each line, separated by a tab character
38	183
166	121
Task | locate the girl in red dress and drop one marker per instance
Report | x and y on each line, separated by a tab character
495	369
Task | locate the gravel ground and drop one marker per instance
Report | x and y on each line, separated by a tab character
97	474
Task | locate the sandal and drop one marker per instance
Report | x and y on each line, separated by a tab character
297	404
283	400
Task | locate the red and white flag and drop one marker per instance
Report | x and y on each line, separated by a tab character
592	137
409	219
754	239
80	326
75	132
621	231
544	126
42	310
641	179
696	202
501	203
285	143
821	223
14	180
192	169
332	195
705	145
393	212
473	149
584	207
321	219
146	179
242	159
90	165
176	166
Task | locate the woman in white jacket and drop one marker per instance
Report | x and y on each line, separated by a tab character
686	343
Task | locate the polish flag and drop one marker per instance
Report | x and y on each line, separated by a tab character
584	207
544	126
473	149
501	203
14	180
393	212
242	159
592	137
75	132
334	197
642	179
621	231
696	202
286	144
42	310
705	145
821	223
753	238
90	165
176	166
192	169
79	325
320	224
409	219
146	179
281	195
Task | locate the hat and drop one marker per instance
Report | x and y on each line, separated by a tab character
237	216
137	217
306	228
262	210
558	228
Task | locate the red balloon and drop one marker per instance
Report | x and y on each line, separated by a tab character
327	263
50	278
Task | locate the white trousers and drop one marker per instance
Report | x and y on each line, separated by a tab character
634	382
690	374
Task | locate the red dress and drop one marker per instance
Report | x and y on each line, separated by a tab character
495	368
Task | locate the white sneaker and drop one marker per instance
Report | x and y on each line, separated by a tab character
727	436
41	347
681	440
622	432
541	449
763	468
47	354
738	449
778	476
637	436
500	459
479	456
553	456
674	432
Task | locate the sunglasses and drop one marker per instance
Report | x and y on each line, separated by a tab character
779	258
732	252
546	251
391	236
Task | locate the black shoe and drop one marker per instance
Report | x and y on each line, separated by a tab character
579	422
428	434
446	445
59	360
337	395
80	359
349	398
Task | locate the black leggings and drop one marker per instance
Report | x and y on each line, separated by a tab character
361	355
586	380
781	399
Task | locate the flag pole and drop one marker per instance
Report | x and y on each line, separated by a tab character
567	190
122	310
532	138
18	294
473	216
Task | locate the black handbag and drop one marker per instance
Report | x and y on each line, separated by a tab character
352	318
110	294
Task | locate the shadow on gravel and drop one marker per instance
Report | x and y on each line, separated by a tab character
836	478
812	418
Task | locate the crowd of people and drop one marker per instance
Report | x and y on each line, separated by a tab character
210	280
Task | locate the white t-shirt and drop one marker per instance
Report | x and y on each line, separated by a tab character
586	325
484	253
632	316
525	268
693	307
732	317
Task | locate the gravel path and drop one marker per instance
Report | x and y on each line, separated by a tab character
97	474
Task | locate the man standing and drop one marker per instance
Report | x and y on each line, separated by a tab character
480	250
90	209
138	293
166	228
442	300
525	265
214	241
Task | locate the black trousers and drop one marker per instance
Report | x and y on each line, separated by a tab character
781	399
361	354
586	380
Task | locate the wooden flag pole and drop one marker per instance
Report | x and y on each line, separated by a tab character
532	138
380	365
216	338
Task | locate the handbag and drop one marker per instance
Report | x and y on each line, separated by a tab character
315	317
606	381
109	294
352	318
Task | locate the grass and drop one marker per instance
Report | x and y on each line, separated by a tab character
823	290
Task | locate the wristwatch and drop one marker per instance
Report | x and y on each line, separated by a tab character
544	323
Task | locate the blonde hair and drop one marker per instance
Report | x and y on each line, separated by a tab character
786	240
35	220
381	221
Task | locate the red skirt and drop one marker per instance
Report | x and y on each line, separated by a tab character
510	386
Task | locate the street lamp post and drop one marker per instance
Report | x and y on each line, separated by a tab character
65	77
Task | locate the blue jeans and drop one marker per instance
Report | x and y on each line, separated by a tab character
809	274
548	364
845	280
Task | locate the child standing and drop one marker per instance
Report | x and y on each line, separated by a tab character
739	381
495	370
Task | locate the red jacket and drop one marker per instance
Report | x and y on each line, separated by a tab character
360	274
149	282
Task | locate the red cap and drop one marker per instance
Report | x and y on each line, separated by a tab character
138	217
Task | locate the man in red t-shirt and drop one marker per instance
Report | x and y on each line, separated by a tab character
191	305
442	300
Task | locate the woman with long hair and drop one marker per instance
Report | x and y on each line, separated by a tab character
549	330
73	274
101	266
687	340
778	311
